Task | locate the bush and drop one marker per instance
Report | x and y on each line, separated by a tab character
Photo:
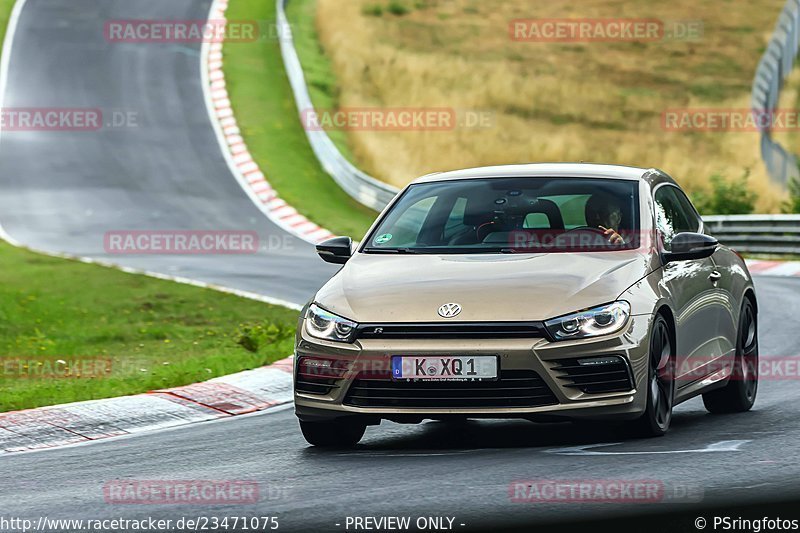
372	10
254	337
397	8
793	204
727	197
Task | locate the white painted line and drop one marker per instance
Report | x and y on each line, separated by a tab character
5	58
723	446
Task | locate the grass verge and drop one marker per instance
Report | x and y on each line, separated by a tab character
550	101
5	12
123	333
265	110
320	78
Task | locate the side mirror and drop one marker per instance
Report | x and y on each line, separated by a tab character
337	250
688	246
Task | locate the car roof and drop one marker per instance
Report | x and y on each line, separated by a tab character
652	176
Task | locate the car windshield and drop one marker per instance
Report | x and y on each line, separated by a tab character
511	215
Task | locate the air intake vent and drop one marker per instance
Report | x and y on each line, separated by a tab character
514	388
596	375
318	375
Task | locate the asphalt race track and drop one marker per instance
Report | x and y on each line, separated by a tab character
463	471
62	191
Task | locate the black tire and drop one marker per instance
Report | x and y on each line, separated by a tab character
657	416
739	394
336	434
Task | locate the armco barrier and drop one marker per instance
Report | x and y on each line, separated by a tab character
771	234
762	234
364	188
775	66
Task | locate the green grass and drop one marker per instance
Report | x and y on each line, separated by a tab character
136	333
320	78
264	106
151	333
5	12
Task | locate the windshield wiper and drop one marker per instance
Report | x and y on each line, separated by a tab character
391	250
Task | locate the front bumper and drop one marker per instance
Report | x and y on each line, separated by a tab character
527	355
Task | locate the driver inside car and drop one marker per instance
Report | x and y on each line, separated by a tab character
603	212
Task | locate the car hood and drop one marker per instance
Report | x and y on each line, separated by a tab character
380	288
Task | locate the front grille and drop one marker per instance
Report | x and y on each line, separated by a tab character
594	375
514	388
455	330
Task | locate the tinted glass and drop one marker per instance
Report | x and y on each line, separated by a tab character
674	214
511	215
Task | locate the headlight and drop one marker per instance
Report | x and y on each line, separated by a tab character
598	321
325	325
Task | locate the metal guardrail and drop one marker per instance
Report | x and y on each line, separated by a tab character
364	188
773	68
767	234
761	234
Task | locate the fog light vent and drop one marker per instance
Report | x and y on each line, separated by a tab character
596	375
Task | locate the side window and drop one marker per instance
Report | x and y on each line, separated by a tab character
688	210
455	222
671	218
407	225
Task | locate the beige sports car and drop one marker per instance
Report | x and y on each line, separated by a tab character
545	292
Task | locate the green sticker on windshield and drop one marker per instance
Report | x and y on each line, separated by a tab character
383	239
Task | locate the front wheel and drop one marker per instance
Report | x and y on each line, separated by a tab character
335	434
739	394
657	416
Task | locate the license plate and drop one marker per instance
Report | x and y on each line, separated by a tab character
457	368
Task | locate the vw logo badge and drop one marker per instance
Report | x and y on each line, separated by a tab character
449	310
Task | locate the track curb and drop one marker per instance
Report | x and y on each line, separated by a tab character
233	146
93	420
759	267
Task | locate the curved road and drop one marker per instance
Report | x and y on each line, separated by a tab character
63	191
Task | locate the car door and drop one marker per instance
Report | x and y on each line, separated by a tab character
723	280
692	289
